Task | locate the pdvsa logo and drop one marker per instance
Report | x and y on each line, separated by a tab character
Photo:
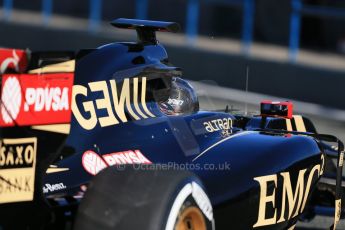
11	99
29	99
46	99
93	163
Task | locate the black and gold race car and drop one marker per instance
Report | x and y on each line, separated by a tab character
113	138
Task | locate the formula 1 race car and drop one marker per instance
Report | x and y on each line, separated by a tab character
113	138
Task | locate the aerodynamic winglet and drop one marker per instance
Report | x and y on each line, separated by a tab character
146	29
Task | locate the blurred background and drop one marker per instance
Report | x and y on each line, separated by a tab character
235	52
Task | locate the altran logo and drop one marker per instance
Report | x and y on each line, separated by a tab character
11	99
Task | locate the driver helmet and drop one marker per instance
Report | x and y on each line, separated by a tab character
182	99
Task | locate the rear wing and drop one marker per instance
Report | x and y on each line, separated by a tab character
35	112
146	29
36	89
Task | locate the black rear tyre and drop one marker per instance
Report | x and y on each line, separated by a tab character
145	199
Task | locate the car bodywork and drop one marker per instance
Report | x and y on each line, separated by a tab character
80	113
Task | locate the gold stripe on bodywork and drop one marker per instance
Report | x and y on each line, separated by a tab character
126	92
288	125
299	123
292	227
135	98
341	159
337	213
62	67
56	128
55	170
143	97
